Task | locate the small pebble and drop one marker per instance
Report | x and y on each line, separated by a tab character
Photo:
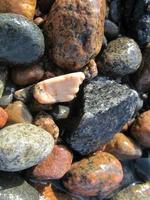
90	70
3	117
111	30
60	112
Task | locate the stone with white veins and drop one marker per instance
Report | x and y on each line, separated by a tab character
107	107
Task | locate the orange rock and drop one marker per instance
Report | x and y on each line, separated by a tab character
3	117
22	7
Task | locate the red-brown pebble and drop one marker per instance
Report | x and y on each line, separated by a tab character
99	174
3	117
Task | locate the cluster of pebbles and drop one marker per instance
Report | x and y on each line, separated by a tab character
74	100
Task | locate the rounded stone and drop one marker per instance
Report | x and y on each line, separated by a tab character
99	174
122	57
111	30
74	32
22	146
24	41
3	117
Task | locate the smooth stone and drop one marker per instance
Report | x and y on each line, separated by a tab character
3	117
99	174
13	187
3	78
45	5
142	166
90	70
78	36
111	30
60	112
122	57
24	41
18	112
22	146
25	94
104	103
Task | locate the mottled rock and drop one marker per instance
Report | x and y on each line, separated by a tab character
74	32
22	146
99	174
25	94
122	57
27	75
105	102
18	112
141	129
58	89
111	30
90	70
3	117
60	112
13	187
19	32
123	147
54	166
3	77
134	192
46	122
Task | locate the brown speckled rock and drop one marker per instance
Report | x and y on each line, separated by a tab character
22	7
123	147
98	174
141	129
54	166
74	31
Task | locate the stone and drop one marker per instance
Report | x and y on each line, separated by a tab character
27	75
13	187
3	78
99	174
3	117
19	32
115	11
60	112
25	94
46	122
135	192
140	129
123	147
90	70
78	35
142	166
58	89
22	146
22	7
104	103
111	30
54	166
122	57
18	112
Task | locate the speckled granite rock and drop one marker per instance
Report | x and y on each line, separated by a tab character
105	102
19	32
3	77
13	187
22	146
74	31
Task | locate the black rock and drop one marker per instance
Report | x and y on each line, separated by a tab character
111	30
115	11
107	107
21	41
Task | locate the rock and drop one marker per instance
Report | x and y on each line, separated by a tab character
115	11
90	70
17	31
18	112
142	166
3	77
78	35
105	102
3	117
111	30
46	122
122	57
22	7
13	187
22	146
123	147
25	94
27	75
134	192
39	21
141	129
58	89
54	166
99	174
60	112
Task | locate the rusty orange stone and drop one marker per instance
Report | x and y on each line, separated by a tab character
3	117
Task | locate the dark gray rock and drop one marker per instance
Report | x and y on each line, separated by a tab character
115	11
13	187
142	166
3	77
21	41
111	30
23	145
107	107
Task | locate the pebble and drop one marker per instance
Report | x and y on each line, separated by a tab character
3	78
90	70
105	101
19	32
58	89
111	30
141	129
46	122
27	75
13	187
22	146
78	35
60	112
122	57
135	192
18	112
54	166
3	117
99	174
123	147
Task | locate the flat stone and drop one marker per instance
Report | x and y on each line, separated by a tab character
22	146
106	108
24	41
